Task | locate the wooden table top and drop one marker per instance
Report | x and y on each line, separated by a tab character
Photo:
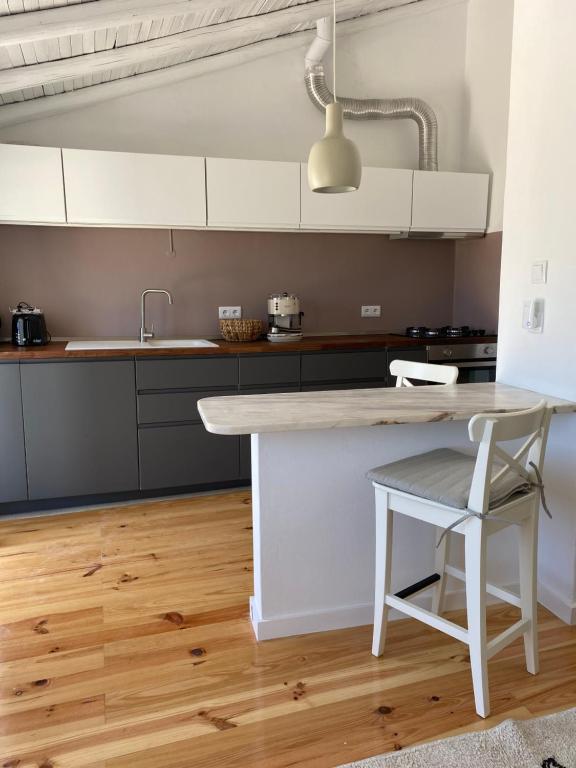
251	414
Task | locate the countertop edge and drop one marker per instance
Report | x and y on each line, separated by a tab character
431	418
558	406
55	350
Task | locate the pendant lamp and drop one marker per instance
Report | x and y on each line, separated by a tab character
334	162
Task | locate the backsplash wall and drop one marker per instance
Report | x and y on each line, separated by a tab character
477	281
88	280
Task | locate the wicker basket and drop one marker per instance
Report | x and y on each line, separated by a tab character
241	330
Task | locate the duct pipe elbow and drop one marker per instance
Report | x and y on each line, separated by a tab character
371	109
320	45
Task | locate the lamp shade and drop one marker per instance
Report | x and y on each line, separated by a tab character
334	162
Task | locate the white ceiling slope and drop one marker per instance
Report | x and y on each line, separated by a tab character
58	54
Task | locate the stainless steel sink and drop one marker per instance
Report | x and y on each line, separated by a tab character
135	344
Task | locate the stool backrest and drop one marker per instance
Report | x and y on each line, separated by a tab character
489	429
405	370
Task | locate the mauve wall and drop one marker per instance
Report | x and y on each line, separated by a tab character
88	280
477	281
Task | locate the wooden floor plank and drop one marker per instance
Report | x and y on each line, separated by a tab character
125	641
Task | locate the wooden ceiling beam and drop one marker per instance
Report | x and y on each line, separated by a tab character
228	35
80	18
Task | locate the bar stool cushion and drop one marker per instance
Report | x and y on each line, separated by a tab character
445	476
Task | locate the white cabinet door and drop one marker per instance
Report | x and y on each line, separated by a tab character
252	194
449	202
382	203
31	185
128	189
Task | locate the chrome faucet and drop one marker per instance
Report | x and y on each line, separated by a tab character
145	334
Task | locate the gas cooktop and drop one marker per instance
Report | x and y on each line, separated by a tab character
446	332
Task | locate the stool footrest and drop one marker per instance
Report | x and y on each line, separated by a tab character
508	636
419	586
502	594
432	619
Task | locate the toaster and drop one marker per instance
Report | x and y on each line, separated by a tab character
28	326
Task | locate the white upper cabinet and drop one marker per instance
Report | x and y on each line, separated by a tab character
31	184
128	189
252	194
48	185
449	202
383	203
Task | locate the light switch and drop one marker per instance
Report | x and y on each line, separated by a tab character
539	272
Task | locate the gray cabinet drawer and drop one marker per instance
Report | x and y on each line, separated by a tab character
187	373
80	427
165	407
13	486
268	369
184	455
343	366
344	385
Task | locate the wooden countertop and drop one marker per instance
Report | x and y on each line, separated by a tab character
246	414
57	349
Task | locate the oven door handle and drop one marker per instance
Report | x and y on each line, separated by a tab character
479	364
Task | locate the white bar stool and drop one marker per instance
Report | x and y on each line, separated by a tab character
476	497
406	370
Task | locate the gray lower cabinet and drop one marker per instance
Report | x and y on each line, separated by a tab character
269	370
80	427
185	454
166	407
344	385
333	367
187	373
91	427
13	485
175	448
413	354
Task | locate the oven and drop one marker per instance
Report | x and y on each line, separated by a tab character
476	363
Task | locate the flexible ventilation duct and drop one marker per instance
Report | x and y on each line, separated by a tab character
370	109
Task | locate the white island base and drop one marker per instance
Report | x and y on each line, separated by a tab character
313	507
313	518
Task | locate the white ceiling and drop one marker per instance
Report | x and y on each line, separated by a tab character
52	47
59	54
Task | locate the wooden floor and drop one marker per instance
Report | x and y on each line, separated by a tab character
125	643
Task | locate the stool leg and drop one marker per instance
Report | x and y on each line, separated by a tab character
383	571
528	587
475	548
440	558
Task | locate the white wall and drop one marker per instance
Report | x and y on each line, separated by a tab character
538	223
261	110
487	94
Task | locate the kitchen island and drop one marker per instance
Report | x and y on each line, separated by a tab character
313	508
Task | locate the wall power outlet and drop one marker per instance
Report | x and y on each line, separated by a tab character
370	310
229	313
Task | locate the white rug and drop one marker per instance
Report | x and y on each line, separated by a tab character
546	742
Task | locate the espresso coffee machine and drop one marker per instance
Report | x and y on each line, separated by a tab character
284	317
